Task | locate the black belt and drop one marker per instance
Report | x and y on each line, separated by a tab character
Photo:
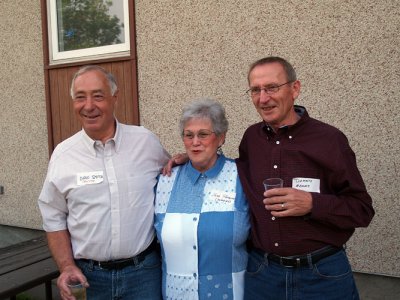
300	260
122	263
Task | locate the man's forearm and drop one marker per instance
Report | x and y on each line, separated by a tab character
60	247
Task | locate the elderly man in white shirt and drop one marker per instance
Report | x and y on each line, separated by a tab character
97	199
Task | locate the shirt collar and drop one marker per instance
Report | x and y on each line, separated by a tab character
194	174
300	111
91	143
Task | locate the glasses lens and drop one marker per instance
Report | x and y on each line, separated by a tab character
202	134
255	91
188	135
272	89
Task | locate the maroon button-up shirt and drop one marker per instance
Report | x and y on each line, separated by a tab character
307	149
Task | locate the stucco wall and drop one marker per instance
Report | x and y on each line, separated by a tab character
347	58
23	129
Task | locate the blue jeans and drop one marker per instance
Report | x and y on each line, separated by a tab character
142	281
330	278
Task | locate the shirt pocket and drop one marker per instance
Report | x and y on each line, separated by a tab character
137	191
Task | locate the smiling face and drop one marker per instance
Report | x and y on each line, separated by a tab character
202	151
94	105
275	109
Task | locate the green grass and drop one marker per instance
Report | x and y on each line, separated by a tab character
23	296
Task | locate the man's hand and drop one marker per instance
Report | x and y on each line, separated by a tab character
287	202
69	274
178	159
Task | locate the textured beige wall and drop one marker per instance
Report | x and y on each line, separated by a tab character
347	57
23	129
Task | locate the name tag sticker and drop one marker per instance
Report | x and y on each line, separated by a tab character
306	184
225	197
89	178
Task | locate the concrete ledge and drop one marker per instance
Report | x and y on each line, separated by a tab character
373	287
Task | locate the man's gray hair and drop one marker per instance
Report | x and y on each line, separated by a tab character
205	108
110	78
289	70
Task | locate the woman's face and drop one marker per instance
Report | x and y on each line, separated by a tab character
201	143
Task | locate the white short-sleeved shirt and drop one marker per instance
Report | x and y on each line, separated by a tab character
104	194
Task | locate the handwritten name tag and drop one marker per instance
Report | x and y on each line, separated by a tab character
89	178
306	184
224	197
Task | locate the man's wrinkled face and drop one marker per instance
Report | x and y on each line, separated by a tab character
275	108
94	105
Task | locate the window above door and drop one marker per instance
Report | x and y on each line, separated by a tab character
82	30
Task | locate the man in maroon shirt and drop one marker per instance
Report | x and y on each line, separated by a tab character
299	230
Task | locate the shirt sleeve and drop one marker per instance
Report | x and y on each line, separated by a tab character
52	204
163	155
344	203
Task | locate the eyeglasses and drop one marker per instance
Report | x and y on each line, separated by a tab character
202	134
271	89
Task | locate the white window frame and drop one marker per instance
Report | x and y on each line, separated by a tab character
57	57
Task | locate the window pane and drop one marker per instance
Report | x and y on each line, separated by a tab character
85	24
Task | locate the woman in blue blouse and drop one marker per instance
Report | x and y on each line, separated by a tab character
202	219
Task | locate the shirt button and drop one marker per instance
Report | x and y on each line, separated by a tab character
194	219
194	275
273	218
276	244
290	136
275	167
278	142
194	247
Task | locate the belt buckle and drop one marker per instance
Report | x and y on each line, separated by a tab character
105	265
286	262
290	262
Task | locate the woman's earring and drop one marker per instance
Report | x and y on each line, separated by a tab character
219	150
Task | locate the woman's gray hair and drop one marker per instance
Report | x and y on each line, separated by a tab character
205	108
110	78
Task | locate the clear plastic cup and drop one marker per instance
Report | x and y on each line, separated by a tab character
78	290
272	183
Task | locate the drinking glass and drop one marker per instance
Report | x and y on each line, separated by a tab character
78	290
272	183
